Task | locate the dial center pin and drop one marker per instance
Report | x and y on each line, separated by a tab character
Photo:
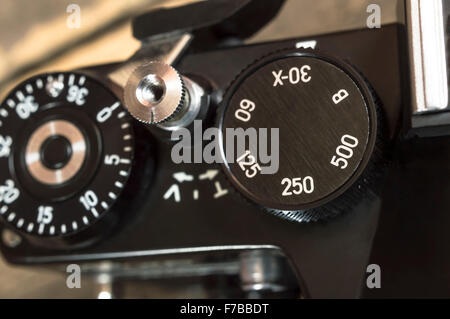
55	152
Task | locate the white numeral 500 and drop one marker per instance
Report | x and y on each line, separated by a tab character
344	151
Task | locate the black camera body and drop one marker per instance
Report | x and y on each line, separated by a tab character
390	210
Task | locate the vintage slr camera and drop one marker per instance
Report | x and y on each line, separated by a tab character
126	169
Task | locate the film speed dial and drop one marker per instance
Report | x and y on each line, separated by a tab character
66	151
309	135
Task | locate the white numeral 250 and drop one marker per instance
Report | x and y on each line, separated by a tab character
296	186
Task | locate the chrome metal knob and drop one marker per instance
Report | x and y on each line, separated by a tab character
154	93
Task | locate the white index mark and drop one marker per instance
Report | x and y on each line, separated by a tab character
20	223
127	137
123	173
29	88
63	228
85	220
125	161
20	95
71	79
195	194
125	125
74	225
39	83
3	210
10	103
11	217
30	227
82	80
104	205
3	113
220	192
41	228
127	149
94	212
175	191
49	78
114	106
52	230
61	78
112	195
121	114
118	184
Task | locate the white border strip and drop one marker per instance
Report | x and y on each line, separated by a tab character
428	62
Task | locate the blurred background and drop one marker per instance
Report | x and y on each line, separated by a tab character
34	38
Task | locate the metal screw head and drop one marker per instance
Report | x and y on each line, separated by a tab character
151	90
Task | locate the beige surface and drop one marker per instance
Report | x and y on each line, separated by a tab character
298	18
45	36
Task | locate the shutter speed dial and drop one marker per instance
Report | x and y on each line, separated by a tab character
321	126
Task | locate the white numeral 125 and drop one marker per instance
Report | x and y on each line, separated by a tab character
250	167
